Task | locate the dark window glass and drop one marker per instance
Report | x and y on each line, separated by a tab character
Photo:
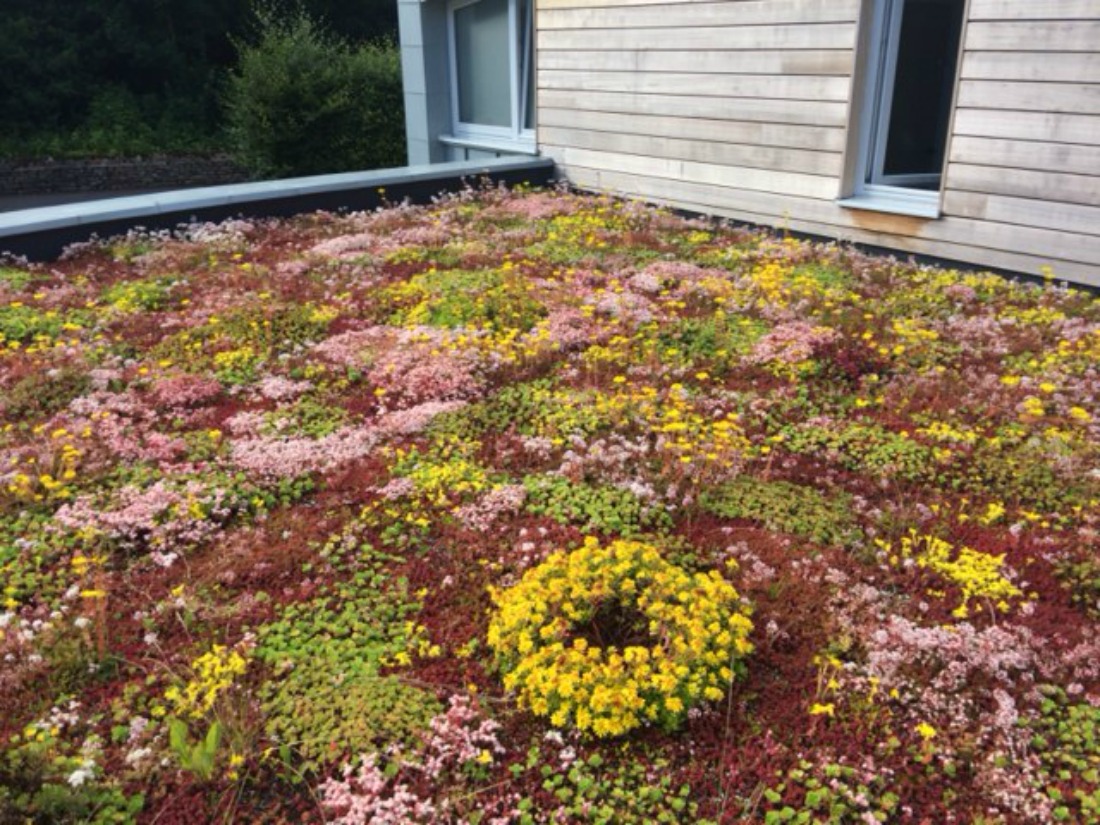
927	60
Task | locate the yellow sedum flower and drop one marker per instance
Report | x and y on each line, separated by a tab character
214	672
686	643
978	576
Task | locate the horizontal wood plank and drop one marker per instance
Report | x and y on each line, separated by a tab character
846	226
1035	10
754	13
1023	183
1033	36
741	108
819	62
1011	155
776	135
724	153
1083	220
771	87
616	4
809	113
1069	98
780	183
1068	67
1043	126
823	36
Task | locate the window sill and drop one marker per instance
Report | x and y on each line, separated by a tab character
896	201
509	147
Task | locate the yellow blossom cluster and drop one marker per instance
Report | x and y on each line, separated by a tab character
774	282
442	483
47	479
945	432
978	575
588	227
233	359
692	642
690	436
213	673
685	433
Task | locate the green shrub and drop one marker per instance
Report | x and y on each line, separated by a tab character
303	101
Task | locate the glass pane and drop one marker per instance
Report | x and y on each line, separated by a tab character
527	50
484	70
924	80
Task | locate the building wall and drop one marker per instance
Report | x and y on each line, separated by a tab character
426	68
742	109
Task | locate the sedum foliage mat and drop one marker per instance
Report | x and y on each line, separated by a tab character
539	508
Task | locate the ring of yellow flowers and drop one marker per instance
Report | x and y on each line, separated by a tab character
698	627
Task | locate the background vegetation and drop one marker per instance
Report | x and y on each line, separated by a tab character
303	101
138	77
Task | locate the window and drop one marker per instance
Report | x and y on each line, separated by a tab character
492	75
906	112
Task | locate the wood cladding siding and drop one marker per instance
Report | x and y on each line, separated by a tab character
743	109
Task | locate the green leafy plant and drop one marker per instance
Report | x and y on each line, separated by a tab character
138	296
22	324
498	298
594	791
1067	741
1081	576
831	793
199	756
785	507
865	447
330	699
36	786
306	417
38	394
607	509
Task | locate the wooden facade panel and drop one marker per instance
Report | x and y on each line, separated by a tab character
741	109
1036	10
1070	67
1071	217
1069	98
805	113
1019	154
1069	246
749	13
1022	183
1050	127
616	4
770	87
737	177
1033	36
774	135
824	36
724	153
829	220
822	62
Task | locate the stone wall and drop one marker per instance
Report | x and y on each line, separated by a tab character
47	177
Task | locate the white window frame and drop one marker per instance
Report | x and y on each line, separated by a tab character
873	188
479	135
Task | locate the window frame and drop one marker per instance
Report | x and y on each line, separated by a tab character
871	187
520	61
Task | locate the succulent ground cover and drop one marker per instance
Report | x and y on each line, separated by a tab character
286	506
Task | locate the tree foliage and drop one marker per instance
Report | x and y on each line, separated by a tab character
134	76
304	101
